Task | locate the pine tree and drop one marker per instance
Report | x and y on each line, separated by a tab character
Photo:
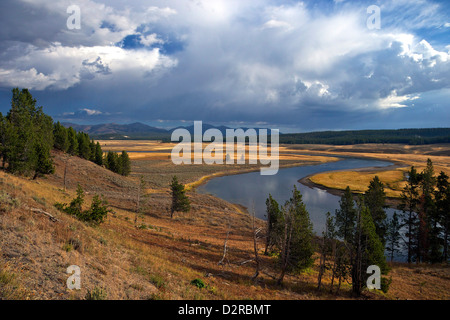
296	242
368	249
73	141
112	161
393	235
44	141
21	153
180	202
346	216
428	232
95	215
75	207
124	165
27	136
442	196
408	205
98	211
61	138
98	154
273	215
375	200
44	163
92	151
84	149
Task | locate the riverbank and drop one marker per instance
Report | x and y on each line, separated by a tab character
204	179
392	202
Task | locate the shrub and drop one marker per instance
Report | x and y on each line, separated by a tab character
158	281
67	247
96	214
7	202
198	283
385	283
96	294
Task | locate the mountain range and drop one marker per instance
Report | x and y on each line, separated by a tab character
135	130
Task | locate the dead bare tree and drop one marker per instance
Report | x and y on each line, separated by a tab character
286	244
323	259
255	232
65	172
225	247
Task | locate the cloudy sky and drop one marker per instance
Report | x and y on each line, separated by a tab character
293	65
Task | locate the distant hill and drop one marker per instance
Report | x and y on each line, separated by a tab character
135	130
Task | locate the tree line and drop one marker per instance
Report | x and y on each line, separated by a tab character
403	136
359	233
425	206
27	136
352	240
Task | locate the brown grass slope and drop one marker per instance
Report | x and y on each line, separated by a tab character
149	256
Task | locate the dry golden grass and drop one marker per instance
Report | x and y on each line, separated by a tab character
148	256
358	181
394	180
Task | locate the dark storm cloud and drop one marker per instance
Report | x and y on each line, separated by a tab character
284	63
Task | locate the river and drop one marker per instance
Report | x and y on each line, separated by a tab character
252	189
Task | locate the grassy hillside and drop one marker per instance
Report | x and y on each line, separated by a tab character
150	256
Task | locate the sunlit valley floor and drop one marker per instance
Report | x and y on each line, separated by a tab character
152	256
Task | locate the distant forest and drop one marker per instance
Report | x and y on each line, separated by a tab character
403	136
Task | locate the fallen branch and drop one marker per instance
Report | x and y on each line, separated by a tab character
52	218
244	262
268	274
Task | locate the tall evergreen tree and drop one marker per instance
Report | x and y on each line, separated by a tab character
368	249
21	153
296	242
375	200
92	151
112	161
393	235
44	141
346	216
44	162
442	196
27	136
61	138
124	164
98	154
273	213
73	141
408	205
84	149
428	231
180	202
